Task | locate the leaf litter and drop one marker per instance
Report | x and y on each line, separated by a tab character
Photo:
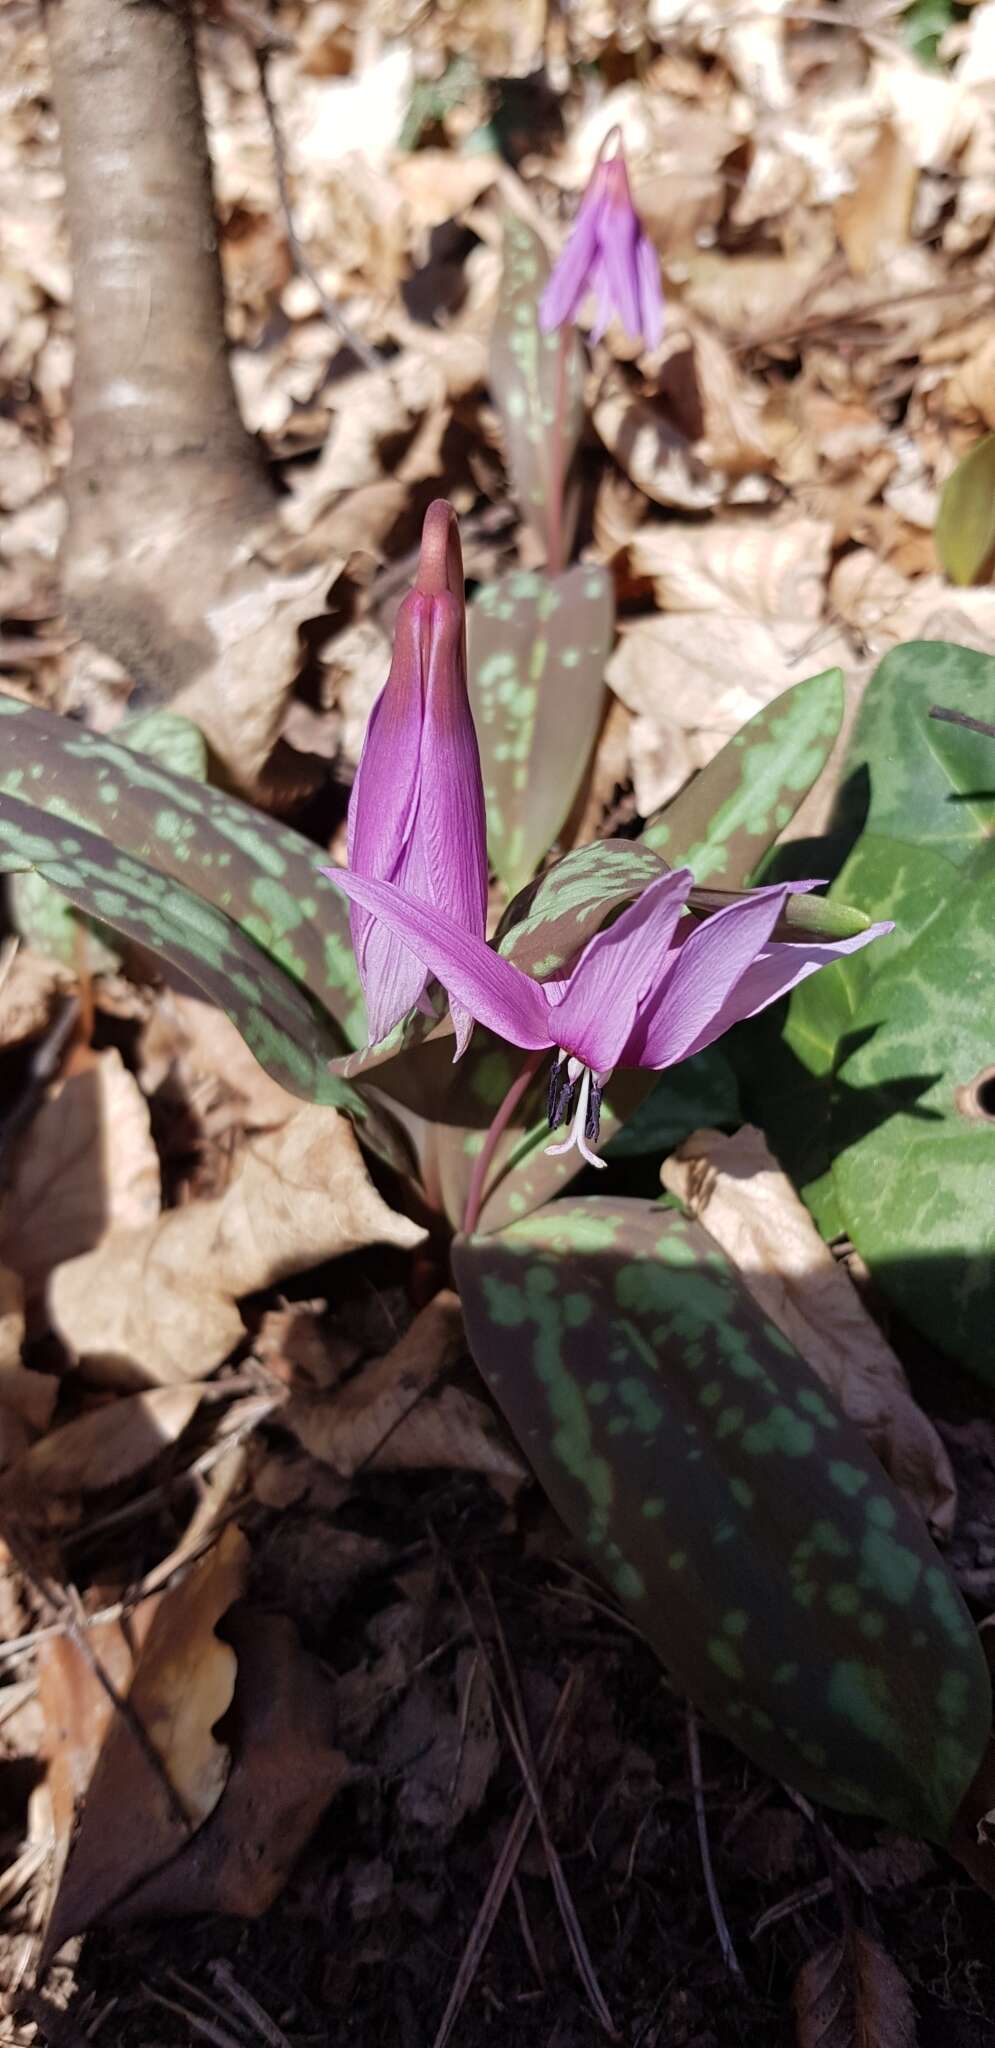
764	496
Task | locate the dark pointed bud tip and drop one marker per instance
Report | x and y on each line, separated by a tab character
440	563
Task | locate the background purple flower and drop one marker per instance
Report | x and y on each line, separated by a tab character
608	253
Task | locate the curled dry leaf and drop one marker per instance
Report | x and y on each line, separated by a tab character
109	1444
734	1186
26	1398
198	1041
86	1166
159	1305
653	453
285	1770
873	220
161	1769
350	1427
238	699
389	1417
29	985
853	1995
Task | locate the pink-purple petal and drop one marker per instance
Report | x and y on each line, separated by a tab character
689	1006
595	1015
494	991
781	966
651	308
567	283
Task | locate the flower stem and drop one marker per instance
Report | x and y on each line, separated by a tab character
502	1118
557	453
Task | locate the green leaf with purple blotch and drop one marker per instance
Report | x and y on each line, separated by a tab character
786	1584
912	1129
261	874
292	1037
965	524
537	647
723	823
535	382
789	1060
910	777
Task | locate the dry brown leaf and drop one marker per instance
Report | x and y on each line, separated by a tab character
111	1443
76	1713
29	985
86	1166
873	220
284	1772
734	1186
136	1815
445	1758
457	1432
196	1039
355	1424
747	565
26	1398
653	453
853	1995
158	1305
238	699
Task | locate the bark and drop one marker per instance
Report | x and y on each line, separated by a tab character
164	485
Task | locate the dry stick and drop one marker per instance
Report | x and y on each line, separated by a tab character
504	1868
224	1975
521	1743
961	718
369	357
719	1922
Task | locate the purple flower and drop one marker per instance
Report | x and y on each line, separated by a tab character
652	989
416	815
609	253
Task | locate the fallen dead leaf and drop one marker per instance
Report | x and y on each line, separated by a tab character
354	1425
445	1755
200	1043
86	1166
873	220
652	452
734	1186
159	1305
138	1813
29	985
111	1443
238	698
852	1995
285	1770
27	1398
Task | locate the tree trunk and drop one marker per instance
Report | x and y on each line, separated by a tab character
165	484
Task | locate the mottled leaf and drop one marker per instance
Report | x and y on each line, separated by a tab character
915	1148
789	1059
261	874
965	525
701	1092
745	1523
912	777
724	822
536	382
286	1029
537	648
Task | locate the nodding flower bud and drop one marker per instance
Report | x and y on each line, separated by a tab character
416	815
609	253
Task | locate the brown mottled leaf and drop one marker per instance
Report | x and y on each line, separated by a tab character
534	382
537	649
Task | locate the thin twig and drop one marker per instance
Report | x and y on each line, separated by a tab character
517	1730
504	1869
369	357
961	718
267	2029
719	1921
809	1895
